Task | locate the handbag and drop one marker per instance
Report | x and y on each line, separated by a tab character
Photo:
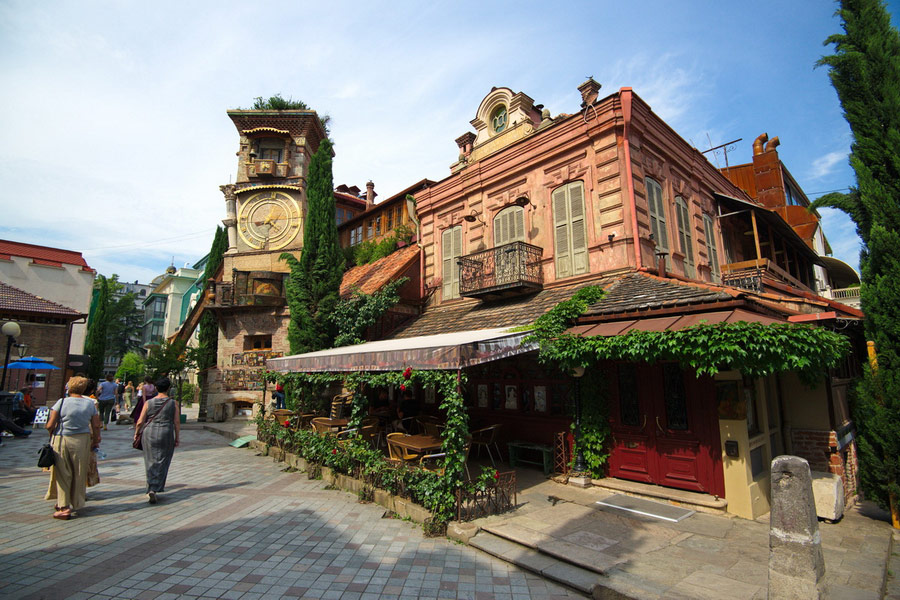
137	443
45	454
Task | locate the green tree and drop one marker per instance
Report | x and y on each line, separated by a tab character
357	313
276	102
124	320
208	334
865	72
131	368
95	341
167	359
313	286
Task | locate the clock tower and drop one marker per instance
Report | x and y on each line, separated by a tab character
265	210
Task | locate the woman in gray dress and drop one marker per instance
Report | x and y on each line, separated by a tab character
159	427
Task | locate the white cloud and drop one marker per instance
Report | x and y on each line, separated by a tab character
824	165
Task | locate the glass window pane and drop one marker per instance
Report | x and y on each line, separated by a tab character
757	460
675	396
628	397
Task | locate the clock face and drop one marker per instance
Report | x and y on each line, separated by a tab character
269	220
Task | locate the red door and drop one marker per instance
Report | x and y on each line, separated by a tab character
664	427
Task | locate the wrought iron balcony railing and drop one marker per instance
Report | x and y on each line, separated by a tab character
505	270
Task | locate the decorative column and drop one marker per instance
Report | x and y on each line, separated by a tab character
230	221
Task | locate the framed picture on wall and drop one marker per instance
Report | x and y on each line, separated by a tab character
540	398
512	397
482	395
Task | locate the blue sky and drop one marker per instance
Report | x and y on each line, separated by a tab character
114	136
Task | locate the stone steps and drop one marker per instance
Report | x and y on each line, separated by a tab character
558	570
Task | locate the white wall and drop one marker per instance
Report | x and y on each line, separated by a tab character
67	285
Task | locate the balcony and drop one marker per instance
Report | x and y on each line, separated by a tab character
752	275
266	168
848	296
253	288
507	270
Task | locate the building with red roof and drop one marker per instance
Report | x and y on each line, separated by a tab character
52	274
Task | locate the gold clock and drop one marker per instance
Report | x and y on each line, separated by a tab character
269	220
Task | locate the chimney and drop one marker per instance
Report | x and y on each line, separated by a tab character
370	194
758	143
773	143
661	264
590	89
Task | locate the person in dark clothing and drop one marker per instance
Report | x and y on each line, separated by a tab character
7	424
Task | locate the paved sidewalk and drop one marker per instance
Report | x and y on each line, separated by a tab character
702	557
230	525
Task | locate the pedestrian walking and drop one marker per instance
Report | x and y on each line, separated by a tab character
128	395
159	429
120	396
75	426
106	398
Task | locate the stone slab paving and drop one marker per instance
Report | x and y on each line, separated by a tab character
230	525
704	556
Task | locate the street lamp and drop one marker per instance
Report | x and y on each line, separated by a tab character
11	330
580	467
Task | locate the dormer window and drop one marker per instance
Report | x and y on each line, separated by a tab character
499	119
268	149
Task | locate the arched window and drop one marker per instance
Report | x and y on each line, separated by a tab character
509	226
684	235
451	250
657	215
570	230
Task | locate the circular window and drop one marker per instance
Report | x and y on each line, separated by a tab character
498	119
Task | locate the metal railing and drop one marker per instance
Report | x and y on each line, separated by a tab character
514	265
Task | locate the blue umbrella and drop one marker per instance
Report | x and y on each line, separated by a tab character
32	363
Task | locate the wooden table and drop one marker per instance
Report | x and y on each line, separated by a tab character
515	456
419	444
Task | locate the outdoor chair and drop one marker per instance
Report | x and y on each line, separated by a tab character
399	454
282	414
430	462
486	438
429	425
340	406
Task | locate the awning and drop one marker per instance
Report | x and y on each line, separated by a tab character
446	351
671	323
774	221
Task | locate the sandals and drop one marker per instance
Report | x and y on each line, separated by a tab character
63	515
152	497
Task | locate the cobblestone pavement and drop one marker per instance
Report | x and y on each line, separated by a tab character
230	525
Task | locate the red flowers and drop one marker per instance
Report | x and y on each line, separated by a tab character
402	387
496	474
407	373
287	423
334	450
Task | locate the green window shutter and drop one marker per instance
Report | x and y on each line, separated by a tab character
561	233
578	228
684	235
712	249
450	274
657	215
509	226
457	252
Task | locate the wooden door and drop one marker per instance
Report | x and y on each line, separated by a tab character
662	424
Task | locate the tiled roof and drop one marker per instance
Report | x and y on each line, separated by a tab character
474	314
43	255
372	277
640	291
13	299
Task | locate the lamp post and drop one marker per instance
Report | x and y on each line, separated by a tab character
580	467
11	330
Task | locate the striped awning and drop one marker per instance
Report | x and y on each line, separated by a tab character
446	351
670	323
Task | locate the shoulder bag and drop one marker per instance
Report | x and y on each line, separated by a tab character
137	444
45	454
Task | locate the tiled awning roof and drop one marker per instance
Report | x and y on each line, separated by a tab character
372	277
14	300
43	254
641	292
474	314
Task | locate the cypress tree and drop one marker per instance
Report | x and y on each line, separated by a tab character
208	332
95	341
313	285
865	72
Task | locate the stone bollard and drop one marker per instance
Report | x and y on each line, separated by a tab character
796	563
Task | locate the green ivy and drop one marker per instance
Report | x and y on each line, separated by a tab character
354	315
435	493
595	431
